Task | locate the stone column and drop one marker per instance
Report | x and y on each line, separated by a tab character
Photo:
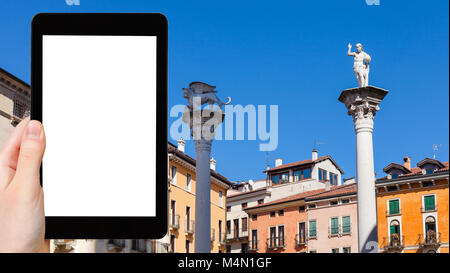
203	123
362	104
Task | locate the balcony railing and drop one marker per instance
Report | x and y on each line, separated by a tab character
431	238
235	234
393	213
174	221
275	242
429	209
253	245
395	242
189	227
300	239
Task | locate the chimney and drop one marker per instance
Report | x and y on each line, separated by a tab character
314	154
407	162
181	144
327	186
212	164
278	162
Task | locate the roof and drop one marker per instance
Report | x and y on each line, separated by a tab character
335	191
312	195
174	150
418	171
396	166
13	77
430	161
234	193
305	162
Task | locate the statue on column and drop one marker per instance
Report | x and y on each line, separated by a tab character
361	62
205	93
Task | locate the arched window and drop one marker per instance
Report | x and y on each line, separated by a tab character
430	229
394	227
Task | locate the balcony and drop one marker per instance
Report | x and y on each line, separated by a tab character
236	234
393	213
430	239
393	243
253	246
174	221
428	209
275	243
300	239
189	227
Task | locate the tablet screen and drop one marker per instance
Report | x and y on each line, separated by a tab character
99	113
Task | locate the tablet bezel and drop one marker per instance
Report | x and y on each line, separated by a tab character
132	24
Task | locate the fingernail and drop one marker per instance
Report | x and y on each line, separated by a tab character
33	129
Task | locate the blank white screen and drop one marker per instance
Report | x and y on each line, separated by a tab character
99	115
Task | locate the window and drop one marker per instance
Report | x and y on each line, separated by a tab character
312	229
189	227
220	198
19	108
281	178
429	203
335	250
322	175
346	250
302	174
395	175
228	227
312	251
345	201
281	212
228	208
333	179
334	226
220	231
260	201
346	225
254	217
272	214
174	175
244	248
244	205
301	209
272	236
281	235
333	203
172	243
394	228
312	206
254	241
429	171
301	233
188	182
394	207
244	224
427	184
391	188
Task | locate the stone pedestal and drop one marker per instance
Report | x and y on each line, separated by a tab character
203	130
362	104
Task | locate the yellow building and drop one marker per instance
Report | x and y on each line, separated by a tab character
412	205
182	183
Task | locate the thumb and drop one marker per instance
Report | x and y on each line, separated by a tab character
30	155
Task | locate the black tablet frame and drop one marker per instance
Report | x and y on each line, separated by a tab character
132	24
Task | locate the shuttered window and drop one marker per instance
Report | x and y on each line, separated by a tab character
346	224
312	228
334	226
429	202
394	207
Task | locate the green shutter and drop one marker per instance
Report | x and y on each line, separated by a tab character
334	226
429	202
312	228
392	229
393	207
346	224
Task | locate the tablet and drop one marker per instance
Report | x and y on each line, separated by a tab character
99	87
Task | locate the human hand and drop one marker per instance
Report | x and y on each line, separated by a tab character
349	46
22	218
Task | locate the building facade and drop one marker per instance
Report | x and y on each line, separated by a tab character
413	215
14	103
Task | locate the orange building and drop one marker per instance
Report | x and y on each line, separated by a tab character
412	205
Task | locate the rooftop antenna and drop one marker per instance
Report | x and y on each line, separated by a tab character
317	143
267	160
435	149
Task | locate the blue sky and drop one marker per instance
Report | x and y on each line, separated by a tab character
292	54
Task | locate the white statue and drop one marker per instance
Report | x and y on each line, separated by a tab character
361	62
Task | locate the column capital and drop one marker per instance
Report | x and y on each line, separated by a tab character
362	104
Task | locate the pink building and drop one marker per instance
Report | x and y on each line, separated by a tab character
332	220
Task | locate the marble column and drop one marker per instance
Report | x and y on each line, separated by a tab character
362	104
